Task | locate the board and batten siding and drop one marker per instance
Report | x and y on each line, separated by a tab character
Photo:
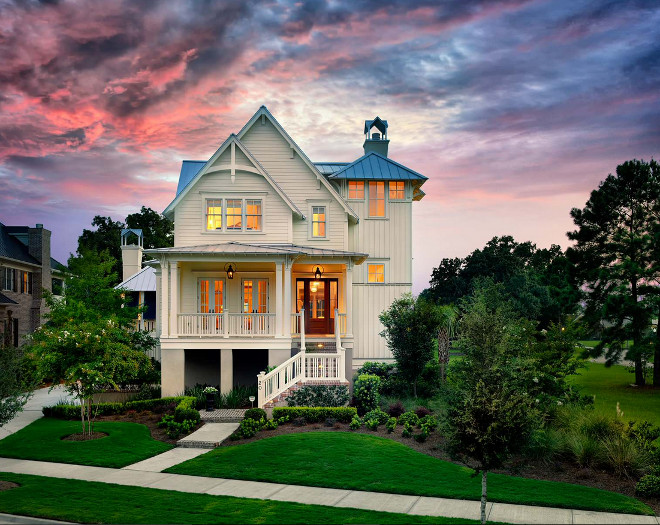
299	182
190	213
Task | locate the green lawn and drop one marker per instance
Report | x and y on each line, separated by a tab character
612	385
126	443
363	462
91	502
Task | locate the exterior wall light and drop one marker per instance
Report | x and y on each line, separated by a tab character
230	269
318	273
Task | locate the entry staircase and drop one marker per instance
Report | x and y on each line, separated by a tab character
326	367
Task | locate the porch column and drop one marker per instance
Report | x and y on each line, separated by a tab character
226	370
159	303
348	298
287	298
279	303
174	307
172	372
165	295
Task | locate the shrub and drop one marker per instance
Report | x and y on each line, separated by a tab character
623	457
648	486
185	410
238	397
381	370
366	394
174	428
390	425
250	427
396	409
422	436
270	424
377	415
586	451
545	445
407	430
643	434
355	423
422	412
371	424
72	412
319	396
255	413
330	422
315	414
429	421
299	422
409	418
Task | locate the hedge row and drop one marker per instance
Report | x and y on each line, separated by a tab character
108	409
315	414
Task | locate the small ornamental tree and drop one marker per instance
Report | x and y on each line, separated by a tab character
16	381
411	326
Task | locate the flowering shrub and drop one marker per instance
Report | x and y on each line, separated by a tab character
365	393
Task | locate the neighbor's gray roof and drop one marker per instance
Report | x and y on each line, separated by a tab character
373	166
143	281
328	168
239	248
6	300
12	248
189	168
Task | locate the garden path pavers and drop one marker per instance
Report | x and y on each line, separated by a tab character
209	435
167	459
428	506
223	415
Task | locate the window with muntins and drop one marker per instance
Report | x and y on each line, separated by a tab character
318	221
253	215
376	199
376	273
397	190
9	279
356	189
214	214
234	214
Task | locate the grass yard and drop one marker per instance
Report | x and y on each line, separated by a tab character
612	385
91	502
126	443
363	462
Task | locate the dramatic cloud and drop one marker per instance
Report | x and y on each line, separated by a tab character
515	109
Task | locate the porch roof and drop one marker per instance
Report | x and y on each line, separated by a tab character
142	281
240	248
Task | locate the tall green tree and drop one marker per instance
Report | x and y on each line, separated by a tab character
16	381
411	326
158	231
615	247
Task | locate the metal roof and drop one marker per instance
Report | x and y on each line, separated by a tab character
143	281
328	168
374	166
239	248
378	122
12	248
4	300
189	168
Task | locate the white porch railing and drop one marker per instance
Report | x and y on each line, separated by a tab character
251	324
145	325
340	323
227	324
201	324
301	367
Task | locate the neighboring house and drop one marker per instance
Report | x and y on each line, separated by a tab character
274	254
26	270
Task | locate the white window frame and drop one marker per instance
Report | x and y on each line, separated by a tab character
386	269
224	198
12	282
211	280
255	287
405	192
348	191
315	203
385	194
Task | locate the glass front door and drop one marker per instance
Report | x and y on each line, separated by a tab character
319	298
210	296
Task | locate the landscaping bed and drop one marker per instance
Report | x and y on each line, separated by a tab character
93	502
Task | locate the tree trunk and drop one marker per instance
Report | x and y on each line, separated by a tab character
656	355
639	372
484	495
639	365
82	414
443	352
415	388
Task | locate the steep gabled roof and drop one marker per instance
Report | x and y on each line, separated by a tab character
12	248
189	168
374	166
190	179
263	111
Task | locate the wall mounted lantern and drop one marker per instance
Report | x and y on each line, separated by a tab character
318	273
230	268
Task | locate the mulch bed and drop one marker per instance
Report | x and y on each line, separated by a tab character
84	437
150	420
8	485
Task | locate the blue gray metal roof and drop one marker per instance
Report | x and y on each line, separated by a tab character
373	166
189	168
143	281
328	168
380	124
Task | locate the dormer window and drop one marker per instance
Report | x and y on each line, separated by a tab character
397	190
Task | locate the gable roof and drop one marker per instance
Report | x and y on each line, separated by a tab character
374	166
189	168
12	248
143	281
232	140
263	111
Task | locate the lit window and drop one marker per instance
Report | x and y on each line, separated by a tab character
356	189
26	282
234	214
253	215
376	199
214	214
376	273
397	190
318	221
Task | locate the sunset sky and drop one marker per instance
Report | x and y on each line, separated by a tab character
515	110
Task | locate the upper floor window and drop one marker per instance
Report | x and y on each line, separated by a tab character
9	281
234	214
397	190
376	273
26	281
318	221
376	199
214	214
356	189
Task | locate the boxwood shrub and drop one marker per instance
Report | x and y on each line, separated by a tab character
185	410
319	396
315	414
72	412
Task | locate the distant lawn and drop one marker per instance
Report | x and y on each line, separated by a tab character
126	443
612	385
92	502
372	463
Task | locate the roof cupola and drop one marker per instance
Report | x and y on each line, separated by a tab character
375	139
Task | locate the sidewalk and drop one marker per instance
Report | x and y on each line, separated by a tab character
137	476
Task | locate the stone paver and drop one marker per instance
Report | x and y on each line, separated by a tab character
223	415
209	435
167	459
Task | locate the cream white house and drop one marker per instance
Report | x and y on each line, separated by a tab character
281	262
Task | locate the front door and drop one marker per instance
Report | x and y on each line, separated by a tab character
319	298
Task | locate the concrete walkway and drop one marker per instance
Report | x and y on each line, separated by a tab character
209	435
419	505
